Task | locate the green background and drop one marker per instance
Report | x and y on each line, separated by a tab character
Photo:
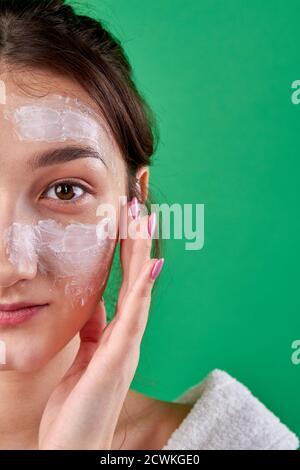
218	75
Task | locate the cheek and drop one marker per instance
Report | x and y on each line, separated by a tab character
75	259
80	274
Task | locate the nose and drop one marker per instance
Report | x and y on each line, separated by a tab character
18	261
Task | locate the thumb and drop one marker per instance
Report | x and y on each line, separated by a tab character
90	336
92	330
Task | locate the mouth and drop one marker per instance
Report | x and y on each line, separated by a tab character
14	314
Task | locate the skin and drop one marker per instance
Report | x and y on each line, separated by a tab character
66	381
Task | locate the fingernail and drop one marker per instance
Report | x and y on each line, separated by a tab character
157	268
134	207
152	224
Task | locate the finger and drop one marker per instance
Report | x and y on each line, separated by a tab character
89	335
133	316
128	326
136	249
91	331
138	240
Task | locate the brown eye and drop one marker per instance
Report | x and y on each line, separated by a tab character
65	191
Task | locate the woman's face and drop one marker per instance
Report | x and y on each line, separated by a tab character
60	169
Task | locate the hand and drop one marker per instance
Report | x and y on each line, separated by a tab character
83	410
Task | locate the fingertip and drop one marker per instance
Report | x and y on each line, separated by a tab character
134	208
156	270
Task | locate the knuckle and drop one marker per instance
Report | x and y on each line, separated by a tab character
143	287
145	291
133	333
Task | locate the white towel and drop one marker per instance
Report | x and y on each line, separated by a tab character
226	415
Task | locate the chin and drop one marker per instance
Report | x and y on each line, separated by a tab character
31	356
25	363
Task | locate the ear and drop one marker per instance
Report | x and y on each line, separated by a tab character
142	181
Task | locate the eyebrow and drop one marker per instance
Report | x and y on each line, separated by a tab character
63	155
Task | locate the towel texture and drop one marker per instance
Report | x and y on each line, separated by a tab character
226	415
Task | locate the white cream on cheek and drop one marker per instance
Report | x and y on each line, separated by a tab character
73	255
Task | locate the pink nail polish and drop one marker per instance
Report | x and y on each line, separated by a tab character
157	268
134	207
151	224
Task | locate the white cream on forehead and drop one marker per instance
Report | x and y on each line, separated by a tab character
56	118
72	254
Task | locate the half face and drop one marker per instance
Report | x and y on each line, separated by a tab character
61	180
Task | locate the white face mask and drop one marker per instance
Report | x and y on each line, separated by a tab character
57	118
69	254
72	253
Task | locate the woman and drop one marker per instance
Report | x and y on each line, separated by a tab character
76	137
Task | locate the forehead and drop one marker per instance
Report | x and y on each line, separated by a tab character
34	83
33	97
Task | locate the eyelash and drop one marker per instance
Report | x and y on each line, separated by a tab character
72	183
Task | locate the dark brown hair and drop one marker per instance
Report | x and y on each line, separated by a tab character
49	35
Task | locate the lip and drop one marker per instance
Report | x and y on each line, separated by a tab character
14	314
